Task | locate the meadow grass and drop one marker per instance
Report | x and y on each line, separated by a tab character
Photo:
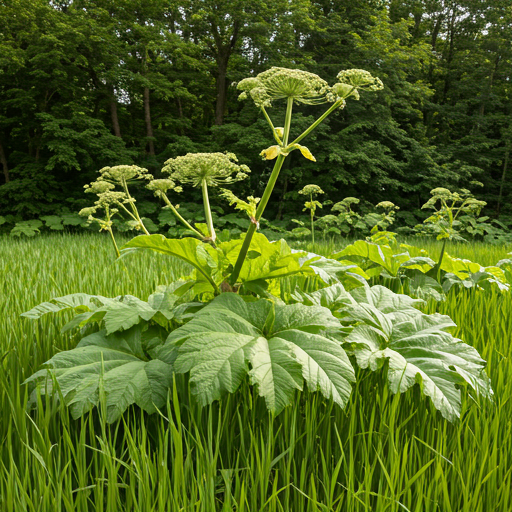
382	453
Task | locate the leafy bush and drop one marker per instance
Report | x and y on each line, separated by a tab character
231	317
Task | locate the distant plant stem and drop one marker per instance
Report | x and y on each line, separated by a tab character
265	198
312	219
208	211
441	256
179	217
118	254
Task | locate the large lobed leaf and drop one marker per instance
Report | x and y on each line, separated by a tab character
114	366
203	257
419	350
282	344
117	314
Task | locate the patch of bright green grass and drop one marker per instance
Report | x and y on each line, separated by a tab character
382	453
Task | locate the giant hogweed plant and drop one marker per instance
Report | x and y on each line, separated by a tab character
230	320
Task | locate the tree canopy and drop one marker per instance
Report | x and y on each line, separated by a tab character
90	83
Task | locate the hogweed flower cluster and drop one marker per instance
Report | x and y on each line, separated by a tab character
206	169
112	201
215	169
123	173
311	190
283	83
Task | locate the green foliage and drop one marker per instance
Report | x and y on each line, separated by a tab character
417	350
282	344
112	366
26	227
386	452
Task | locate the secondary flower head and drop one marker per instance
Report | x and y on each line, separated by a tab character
283	83
360	79
161	186
109	198
88	212
98	187
388	205
311	190
124	173
213	168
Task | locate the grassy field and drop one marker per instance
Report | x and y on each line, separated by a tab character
382	453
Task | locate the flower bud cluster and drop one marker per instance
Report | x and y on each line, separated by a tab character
162	186
282	83
311	190
213	168
248	206
123	173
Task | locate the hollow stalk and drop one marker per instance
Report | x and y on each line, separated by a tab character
312	220
208	211
265	198
179	217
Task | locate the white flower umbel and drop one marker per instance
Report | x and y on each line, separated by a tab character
283	83
203	170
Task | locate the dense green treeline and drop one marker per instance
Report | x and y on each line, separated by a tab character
89	83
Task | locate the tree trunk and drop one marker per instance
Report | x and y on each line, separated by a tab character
5	167
147	117
222	86
115	118
503	176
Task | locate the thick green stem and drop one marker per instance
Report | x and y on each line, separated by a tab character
287	120
441	256
180	218
134	209
312	220
264	200
329	111
273	177
118	254
208	211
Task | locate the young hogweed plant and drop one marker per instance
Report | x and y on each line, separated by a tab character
448	206
276	338
312	191
111	201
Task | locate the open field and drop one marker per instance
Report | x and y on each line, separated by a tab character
382	453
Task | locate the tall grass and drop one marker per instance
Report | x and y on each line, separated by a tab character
382	453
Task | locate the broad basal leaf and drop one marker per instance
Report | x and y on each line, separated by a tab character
112	364
282	345
420	350
375	258
333	297
203	257
78	302
333	271
120	313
